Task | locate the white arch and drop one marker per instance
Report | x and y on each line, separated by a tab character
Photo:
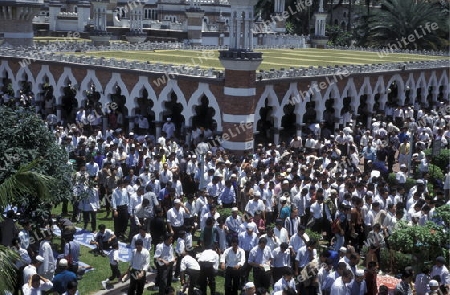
366	87
45	71
91	78
4	67
172	85
66	75
421	83
400	88
411	85
203	89
272	100
445	85
116	79
432	82
20	74
380	86
136	92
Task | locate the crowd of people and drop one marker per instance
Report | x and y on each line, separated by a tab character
160	192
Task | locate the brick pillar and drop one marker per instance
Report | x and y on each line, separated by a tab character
195	25
238	105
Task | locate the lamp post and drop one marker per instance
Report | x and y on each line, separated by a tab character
202	149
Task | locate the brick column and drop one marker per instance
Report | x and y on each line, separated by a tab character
238	105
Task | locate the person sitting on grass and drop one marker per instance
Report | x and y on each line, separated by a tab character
103	239
113	264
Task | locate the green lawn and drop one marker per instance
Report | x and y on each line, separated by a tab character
272	59
91	281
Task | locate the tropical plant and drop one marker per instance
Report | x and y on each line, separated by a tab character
27	183
406	24
337	36
25	139
8	275
442	160
420	241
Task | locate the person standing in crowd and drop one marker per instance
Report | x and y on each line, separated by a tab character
247	241
63	277
165	259
175	218
209	264
260	258
120	203
47	269
36	285
140	260
232	261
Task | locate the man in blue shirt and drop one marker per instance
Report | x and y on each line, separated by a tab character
61	280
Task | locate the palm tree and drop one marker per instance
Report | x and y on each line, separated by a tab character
24	182
398	22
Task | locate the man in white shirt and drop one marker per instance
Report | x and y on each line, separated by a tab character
305	255
439	269
209	264
256	204
281	261
190	266
286	282
175	218
165	258
47	269
140	260
31	269
339	286
232	260
280	232
36	284
260	258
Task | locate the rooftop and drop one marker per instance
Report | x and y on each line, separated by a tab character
272	58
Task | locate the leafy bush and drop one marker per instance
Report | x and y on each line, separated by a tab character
425	243
313	235
410	182
442	160
436	175
400	260
224	212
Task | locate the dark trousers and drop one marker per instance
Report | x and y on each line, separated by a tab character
232	281
231	205
269	217
115	272
134	229
136	285
245	272
177	265
121	221
194	275
105	245
207	277
176	232
164	278
90	216
277	273
261	278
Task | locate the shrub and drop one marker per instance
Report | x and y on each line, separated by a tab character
442	160
224	212
410	182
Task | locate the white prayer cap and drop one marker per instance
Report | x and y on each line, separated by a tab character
249	285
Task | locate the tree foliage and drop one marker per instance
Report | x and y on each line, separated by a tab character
337	36
398	19
25	139
8	276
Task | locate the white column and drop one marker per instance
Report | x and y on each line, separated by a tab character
238	31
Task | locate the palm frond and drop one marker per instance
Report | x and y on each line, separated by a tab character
25	182
8	275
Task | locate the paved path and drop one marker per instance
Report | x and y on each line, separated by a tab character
122	288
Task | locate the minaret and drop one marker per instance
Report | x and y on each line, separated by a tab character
136	13
100	36
16	21
239	92
319	40
194	16
280	21
83	11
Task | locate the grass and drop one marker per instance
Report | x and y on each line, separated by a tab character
91	281
272	59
